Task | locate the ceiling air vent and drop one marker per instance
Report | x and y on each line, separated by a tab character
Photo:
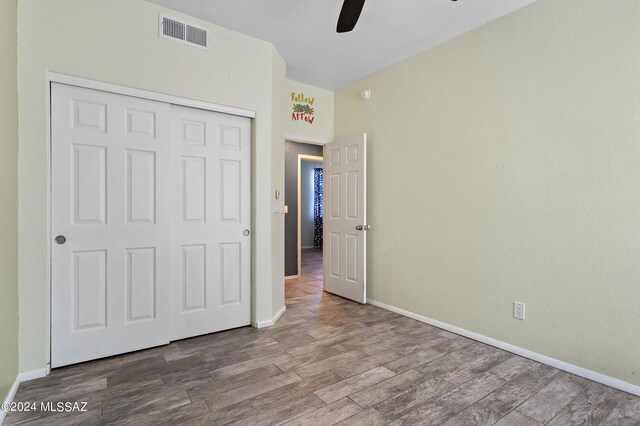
184	32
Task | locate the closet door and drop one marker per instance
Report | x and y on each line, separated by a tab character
110	221
210	166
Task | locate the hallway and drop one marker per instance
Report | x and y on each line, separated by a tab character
310	280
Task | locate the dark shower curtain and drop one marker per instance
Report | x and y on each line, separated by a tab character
317	208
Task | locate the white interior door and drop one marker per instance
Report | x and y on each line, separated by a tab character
345	218
110	248
211	210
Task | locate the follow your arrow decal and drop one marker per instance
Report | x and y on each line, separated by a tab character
302	108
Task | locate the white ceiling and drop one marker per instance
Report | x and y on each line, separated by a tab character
304	31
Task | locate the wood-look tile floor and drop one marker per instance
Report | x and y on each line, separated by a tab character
326	361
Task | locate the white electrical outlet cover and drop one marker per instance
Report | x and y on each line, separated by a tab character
518	310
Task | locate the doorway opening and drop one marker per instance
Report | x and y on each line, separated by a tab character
344	254
310	219
304	219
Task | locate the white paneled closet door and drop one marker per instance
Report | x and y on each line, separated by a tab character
211	222
110	248
151	221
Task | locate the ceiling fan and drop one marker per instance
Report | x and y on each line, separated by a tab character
349	15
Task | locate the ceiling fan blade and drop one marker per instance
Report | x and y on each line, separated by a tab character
349	15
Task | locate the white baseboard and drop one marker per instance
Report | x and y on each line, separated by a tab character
33	374
269	323
561	365
291	277
9	399
307	248
22	377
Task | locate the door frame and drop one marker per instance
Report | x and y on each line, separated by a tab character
307	140
53	77
301	158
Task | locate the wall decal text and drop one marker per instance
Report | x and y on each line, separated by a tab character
302	108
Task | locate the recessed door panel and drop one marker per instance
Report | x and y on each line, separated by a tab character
141	284
194	187
352	154
334	254
141	124
194	277
231	189
141	186
352	258
335	158
89	116
193	132
90	184
90	279
230	137
335	195
231	270
352	195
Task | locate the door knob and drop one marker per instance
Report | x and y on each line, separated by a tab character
246	232
61	239
363	227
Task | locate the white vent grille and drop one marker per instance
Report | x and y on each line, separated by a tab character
183	32
197	36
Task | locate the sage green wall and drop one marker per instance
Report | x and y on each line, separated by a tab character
9	196
505	165
117	41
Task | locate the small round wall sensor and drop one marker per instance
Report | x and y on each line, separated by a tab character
365	94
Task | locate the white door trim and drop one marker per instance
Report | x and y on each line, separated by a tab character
305	139
303	157
53	77
146	94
